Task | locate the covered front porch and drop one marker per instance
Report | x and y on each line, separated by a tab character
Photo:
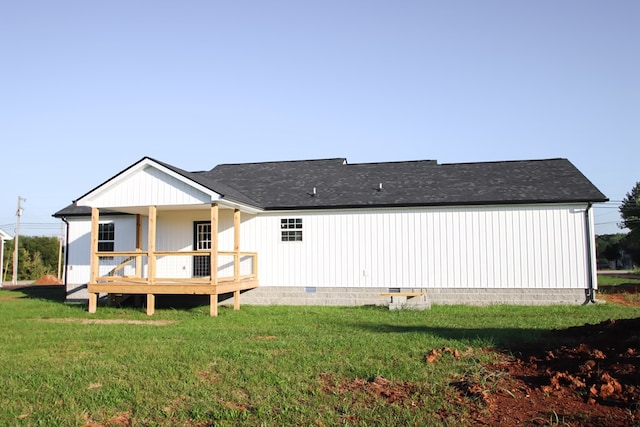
146	270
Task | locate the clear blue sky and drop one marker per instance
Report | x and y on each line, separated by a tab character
88	88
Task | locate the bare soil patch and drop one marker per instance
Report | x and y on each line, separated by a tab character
378	388
590	379
627	294
593	379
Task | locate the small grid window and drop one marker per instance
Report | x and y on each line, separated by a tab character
203	236
291	229
106	237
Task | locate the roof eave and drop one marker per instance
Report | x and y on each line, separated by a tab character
436	204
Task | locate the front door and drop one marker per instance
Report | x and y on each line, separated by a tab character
202	242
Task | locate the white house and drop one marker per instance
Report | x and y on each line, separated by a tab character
332	233
3	236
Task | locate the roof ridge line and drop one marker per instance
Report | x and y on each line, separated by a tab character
505	161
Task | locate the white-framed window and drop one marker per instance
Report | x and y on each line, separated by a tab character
106	238
291	229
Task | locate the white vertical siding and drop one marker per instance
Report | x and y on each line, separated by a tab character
463	247
150	186
79	243
497	247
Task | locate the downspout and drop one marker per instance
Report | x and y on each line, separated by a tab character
66	253
589	292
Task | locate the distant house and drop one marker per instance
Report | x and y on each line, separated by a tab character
332	233
3	236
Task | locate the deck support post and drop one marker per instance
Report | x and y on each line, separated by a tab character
93	302
213	309
151	304
236	300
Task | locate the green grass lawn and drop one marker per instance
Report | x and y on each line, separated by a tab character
267	366
614	280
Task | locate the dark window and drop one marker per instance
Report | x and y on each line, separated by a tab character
106	238
291	229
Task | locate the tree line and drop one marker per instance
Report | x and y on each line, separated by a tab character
614	247
37	256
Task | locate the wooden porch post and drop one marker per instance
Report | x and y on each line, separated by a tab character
213	301
95	261
139	245
236	256
151	298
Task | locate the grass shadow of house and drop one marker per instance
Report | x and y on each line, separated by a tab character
500	338
45	292
172	301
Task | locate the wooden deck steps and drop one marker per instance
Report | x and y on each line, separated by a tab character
417	300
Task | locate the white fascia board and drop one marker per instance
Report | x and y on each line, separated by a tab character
230	204
140	166
577	206
5	236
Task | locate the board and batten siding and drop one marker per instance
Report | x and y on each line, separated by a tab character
541	246
149	186
79	244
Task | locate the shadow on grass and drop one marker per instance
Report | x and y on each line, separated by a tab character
173	301
57	293
623	288
500	338
45	292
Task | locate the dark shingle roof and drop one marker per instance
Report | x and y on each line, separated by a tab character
289	185
337	184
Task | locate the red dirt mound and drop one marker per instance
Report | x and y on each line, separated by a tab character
48	279
592	379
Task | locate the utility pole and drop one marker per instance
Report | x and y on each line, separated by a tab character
15	248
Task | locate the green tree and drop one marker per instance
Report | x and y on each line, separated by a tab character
31	266
630	209
630	213
48	247
608	246
37	256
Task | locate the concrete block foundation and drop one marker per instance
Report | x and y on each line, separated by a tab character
346	296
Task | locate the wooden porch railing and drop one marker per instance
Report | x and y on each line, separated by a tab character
135	258
136	272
